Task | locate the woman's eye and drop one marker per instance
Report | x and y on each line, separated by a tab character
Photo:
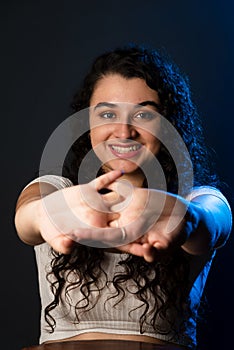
107	115
144	116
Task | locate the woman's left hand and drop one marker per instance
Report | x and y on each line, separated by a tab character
169	221
157	218
151	222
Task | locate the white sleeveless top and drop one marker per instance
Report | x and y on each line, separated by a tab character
105	316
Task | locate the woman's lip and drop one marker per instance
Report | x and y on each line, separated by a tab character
125	151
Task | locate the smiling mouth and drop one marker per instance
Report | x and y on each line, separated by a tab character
125	151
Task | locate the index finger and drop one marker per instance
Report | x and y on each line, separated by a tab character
106	179
98	237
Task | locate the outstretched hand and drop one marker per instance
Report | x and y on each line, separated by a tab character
153	221
81	207
163	227
138	221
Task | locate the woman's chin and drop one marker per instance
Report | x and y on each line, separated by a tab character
126	166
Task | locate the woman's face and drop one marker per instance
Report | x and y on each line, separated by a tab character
124	122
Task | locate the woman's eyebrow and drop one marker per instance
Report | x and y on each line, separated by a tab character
114	105
105	104
150	103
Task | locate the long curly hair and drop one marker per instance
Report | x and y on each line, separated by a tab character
170	273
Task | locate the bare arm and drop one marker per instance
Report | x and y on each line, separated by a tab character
201	222
213	219
28	207
46	213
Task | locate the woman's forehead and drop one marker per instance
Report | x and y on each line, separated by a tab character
115	88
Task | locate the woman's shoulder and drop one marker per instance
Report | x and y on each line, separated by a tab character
206	190
57	181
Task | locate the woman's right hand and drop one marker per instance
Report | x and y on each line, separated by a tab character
57	215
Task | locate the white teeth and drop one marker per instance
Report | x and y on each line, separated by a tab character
120	149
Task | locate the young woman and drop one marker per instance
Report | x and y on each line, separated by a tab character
126	255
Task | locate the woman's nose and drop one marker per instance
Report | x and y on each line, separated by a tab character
125	131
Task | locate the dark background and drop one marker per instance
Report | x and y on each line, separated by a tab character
46	48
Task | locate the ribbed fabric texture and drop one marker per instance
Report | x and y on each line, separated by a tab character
105	316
